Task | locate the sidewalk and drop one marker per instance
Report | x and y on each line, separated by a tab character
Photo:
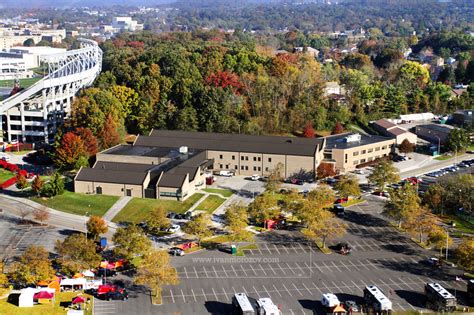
15	206
116	207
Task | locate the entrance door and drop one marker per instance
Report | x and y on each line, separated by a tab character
98	190
128	192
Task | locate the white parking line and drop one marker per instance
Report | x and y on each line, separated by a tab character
358	287
278	291
306	288
310	270
357	268
225	294
172	296
215	271
186	272
287	289
282	270
193	295
271	268
251	267
204	268
302	271
338	270
182	293
195	271
316	265
286	249
276	248
291	268
263	269
215	295
268	293
317	287
297	289
204	294
233	269
243	269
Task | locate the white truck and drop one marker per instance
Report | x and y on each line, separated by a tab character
265	306
330	300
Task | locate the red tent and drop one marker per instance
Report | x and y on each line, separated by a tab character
79	299
43	295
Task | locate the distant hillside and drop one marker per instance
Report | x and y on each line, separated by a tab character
77	3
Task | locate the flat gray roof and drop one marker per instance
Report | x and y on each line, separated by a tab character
339	141
231	142
171	180
110	176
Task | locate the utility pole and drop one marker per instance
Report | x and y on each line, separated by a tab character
447	243
85	222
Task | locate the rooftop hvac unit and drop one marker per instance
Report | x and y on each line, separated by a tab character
353	138
183	150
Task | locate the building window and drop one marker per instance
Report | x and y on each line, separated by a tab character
259	159
242	167
259	168
356	162
370	159
236	167
227	166
254	168
246	168
364	152
221	166
384	147
242	158
269	159
377	149
220	156
370	150
345	158
246	158
254	158
362	161
233	157
355	153
266	169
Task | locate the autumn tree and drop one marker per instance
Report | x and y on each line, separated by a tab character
458	140
21	182
41	214
437	236
323	226
70	152
37	184
96	226
348	185
325	170
33	266
465	254
273	182
420	221
131	242
90	141
383	174
406	147
402	203
157	220
338	129
237	222
433	197
4	282
108	135
308	130
76	253
264	207
156	271
317	200
199	226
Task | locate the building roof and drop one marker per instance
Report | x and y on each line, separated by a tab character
232	142
123	167
339	141
172	180
397	131
437	128
111	176
384	123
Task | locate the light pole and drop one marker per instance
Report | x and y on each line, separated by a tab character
447	243
455	154
85	222
439	145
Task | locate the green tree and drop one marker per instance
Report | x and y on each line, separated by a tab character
348	185
199	226
383	174
318	199
33	266
403	202
458	140
29	42
156	271
237	222
157	220
131	242
54	187
76	254
414	72
96	226
323	226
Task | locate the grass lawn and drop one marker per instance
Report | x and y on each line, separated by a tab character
461	225
5	175
138	209
79	203
23	82
444	157
10	309
223	192
210	204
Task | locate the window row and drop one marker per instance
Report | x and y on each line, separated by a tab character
246	158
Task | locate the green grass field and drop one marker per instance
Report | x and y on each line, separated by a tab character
25	83
223	192
210	204
138	209
79	203
5	175
43	309
443	157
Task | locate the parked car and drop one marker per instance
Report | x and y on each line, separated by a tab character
432	261
329	300
117	295
226	173
5	158
171	215
175	251
297	181
351	306
343	248
104	272
174	228
255	177
358	171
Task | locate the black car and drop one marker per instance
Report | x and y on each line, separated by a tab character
104	272
117	295
171	215
343	248
175	251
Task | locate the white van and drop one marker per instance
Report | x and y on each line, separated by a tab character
226	173
330	300
265	306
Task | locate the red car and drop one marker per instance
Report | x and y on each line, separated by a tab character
106	288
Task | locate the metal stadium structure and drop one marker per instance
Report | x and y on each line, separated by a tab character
33	114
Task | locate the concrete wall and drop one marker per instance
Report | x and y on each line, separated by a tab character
411	137
108	188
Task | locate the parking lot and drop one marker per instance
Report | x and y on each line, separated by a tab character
295	274
16	238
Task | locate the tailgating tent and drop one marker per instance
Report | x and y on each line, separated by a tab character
43	295
339	310
74	284
26	297
53	284
79	299
88	274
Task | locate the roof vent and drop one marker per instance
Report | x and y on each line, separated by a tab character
354	138
183	150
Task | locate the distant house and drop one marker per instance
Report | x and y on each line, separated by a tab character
463	117
434	133
308	50
455	93
333	88
391	130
